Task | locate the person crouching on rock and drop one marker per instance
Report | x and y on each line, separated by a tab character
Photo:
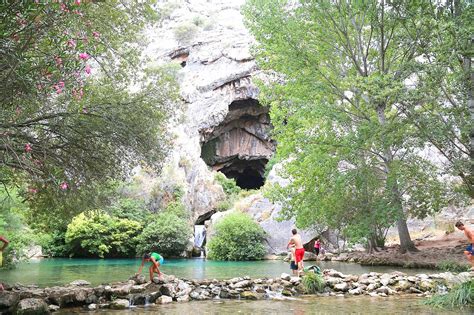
156	261
469	252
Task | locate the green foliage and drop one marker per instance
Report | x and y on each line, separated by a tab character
65	129
459	296
228	184
54	244
185	32
452	266
313	283
349	126
166	233
237	237
128	208
97	234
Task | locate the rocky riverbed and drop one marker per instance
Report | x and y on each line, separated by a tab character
19	299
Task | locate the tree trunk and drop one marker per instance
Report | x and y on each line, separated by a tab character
406	244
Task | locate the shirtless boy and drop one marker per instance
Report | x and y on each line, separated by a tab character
299	250
469	252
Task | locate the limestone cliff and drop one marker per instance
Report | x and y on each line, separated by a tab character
222	126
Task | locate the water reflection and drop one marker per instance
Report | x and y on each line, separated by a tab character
48	272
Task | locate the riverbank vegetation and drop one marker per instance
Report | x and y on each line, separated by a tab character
81	108
362	94
237	237
462	295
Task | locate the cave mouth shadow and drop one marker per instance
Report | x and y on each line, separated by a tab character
249	178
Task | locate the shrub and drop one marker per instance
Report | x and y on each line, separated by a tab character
185	32
461	295
54	244
237	237
167	234
451	265
97	234
229	185
128	208
313	282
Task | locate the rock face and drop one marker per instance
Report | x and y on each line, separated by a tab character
220	125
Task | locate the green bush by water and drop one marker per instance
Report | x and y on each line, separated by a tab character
237	237
452	266
97	234
313	283
167	233
461	295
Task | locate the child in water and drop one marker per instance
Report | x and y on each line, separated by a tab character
293	265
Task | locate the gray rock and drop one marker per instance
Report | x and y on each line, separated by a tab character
168	289
343	287
92	307
248	295
241	284
53	308
285	276
8	299
356	291
80	283
164	299
184	298
32	307
119	304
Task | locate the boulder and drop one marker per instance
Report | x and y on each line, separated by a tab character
92	307
355	291
119	304
241	284
8	299
53	308
164	299
32	307
248	295
80	283
167	289
184	298
285	276
342	287
138	278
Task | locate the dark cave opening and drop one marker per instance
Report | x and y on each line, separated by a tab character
240	146
249	178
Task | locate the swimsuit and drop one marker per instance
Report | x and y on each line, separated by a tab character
299	254
158	258
470	249
293	265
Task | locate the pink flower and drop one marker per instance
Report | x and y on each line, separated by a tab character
63	186
78	12
28	148
32	190
78	94
59	87
77	2
87	69
64	7
84	110
58	60
84	56
96	35
71	43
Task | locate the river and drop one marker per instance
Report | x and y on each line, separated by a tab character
301	306
58	271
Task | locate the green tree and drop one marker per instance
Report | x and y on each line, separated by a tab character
237	237
342	72
78	103
167	233
97	234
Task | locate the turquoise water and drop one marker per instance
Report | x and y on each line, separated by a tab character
57	271
302	306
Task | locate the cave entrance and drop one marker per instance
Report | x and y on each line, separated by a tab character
240	146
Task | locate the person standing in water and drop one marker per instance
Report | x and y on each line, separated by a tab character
156	261
299	250
5	244
293	266
469	252
317	247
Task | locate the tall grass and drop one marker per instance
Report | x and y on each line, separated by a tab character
460	296
451	265
313	283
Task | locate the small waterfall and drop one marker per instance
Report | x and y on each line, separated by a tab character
199	235
147	300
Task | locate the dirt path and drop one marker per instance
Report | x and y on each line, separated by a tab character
431	253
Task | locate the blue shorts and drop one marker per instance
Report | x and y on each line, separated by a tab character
161	261
470	249
293	265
